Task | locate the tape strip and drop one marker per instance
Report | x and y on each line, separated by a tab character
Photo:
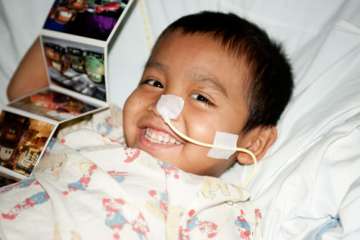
169	106
224	140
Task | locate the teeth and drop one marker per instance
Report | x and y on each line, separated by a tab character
159	137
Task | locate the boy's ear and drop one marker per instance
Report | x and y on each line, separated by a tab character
258	141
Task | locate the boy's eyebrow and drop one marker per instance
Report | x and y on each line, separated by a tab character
211	80
157	65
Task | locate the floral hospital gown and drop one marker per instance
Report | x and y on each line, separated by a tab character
99	189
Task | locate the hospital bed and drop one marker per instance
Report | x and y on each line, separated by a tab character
310	180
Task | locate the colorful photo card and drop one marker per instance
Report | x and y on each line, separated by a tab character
23	140
54	105
76	66
6	180
74	41
95	19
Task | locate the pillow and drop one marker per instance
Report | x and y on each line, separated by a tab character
326	94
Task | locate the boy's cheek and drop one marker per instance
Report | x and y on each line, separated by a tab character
128	123
139	100
129	134
132	106
201	130
134	109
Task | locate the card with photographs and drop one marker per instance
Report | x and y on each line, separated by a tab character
75	39
54	105
94	19
27	125
74	42
23	140
76	67
6	180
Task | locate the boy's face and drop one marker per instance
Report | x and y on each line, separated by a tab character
211	82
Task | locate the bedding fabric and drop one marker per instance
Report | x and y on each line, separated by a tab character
91	186
105	191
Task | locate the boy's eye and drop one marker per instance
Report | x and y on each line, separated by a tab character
152	82
201	98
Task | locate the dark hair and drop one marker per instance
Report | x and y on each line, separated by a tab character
271	80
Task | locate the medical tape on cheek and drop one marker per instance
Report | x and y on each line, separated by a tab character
228	144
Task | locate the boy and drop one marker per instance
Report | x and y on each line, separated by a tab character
232	79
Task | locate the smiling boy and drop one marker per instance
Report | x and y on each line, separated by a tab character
232	78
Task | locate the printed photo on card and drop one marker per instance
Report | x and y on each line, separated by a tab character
22	141
5	180
76	66
94	19
52	104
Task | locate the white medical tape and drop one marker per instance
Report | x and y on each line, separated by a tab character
169	106
225	141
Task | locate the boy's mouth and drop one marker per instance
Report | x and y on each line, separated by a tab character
159	137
